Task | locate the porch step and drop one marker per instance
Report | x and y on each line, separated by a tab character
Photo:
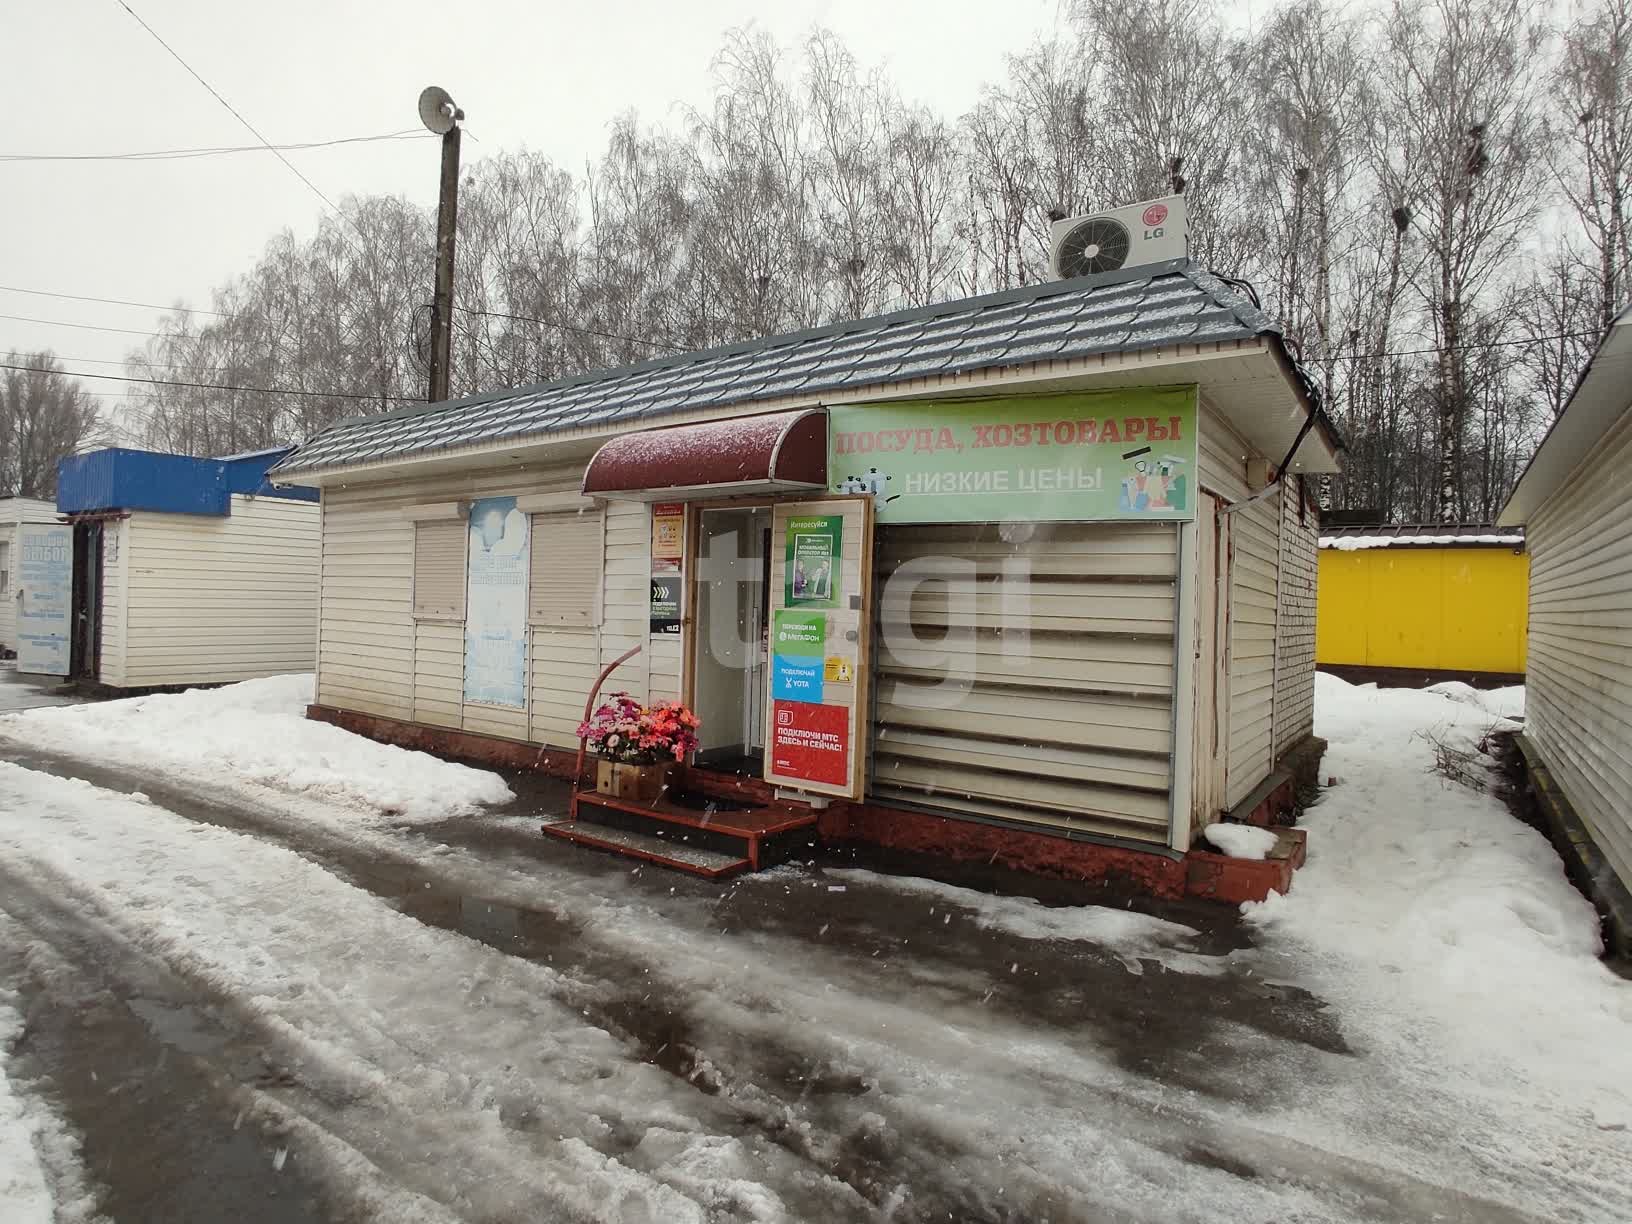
711	864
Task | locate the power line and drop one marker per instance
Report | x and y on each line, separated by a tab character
253	131
1460	348
80	297
120	361
79	326
216	151
162	382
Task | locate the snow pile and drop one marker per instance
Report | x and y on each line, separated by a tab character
24	1188
1502	703
1442	927
256	735
1241	841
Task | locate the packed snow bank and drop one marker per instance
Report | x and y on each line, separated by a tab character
1444	928
1499	703
255	734
23	1185
1241	841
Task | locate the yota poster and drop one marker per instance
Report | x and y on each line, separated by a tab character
1106	455
811	575
797	642
496	604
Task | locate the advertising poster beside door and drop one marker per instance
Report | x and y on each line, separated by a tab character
496	604
44	597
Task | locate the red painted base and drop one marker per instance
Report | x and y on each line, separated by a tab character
1198	873
1037	853
1217	877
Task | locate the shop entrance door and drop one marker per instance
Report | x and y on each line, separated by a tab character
728	641
821	605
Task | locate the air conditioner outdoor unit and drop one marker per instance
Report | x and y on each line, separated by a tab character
1148	233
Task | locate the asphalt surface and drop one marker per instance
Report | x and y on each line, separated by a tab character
157	1073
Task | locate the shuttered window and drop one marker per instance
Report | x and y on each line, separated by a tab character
1031	679
5	566
565	583
439	569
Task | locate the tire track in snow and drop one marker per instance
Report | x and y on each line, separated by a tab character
412	1043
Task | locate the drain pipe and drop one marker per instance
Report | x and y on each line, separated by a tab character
589	708
1280	472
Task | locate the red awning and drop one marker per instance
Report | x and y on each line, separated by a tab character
782	451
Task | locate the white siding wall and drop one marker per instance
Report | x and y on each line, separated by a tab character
115	603
377	659
1295	628
14	510
212	600
1252	557
1579	677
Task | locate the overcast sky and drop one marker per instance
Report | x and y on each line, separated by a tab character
84	77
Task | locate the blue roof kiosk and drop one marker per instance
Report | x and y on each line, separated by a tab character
182	570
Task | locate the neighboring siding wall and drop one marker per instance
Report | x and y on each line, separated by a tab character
9	556
213	600
115	605
1579	707
1295	624
12	511
1409	607
1253	557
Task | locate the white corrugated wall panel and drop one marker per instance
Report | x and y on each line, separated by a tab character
218	599
366	651
1295	629
1579	675
626	615
115	602
1058	710
385	662
1254	546
14	510
9	560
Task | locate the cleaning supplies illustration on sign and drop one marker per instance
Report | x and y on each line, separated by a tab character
1153	485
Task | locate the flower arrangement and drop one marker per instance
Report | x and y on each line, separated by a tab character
624	730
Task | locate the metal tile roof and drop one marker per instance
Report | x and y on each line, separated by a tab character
1144	308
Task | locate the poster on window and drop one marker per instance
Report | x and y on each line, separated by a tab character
496	604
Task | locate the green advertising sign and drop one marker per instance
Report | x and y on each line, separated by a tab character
1126	454
811	568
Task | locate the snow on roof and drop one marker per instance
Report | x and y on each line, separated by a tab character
1420	535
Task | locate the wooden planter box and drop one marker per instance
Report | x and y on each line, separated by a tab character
638	783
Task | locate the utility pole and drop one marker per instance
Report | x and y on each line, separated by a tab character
438	113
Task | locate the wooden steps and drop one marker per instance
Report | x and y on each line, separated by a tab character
709	844
710	864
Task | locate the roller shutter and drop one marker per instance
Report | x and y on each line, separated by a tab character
439	569
1025	672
